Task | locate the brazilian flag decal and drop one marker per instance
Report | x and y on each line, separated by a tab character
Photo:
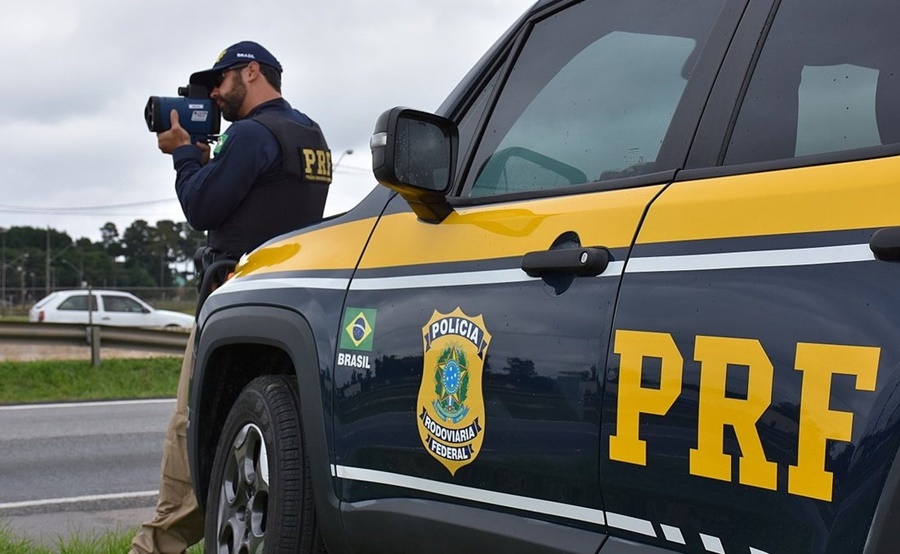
358	329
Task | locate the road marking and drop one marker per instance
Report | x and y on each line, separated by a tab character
76	499
87	404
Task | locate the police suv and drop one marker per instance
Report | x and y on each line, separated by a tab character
634	288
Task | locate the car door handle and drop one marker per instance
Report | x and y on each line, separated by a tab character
581	262
885	244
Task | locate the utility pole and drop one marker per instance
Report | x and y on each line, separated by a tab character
47	266
3	270
21	285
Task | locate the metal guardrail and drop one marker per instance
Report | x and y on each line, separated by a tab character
96	336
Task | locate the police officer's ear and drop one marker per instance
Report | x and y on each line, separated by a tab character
253	71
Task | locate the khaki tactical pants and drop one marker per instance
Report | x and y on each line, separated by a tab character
179	521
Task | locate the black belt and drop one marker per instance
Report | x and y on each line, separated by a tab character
212	268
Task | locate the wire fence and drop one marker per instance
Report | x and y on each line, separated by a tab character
18	301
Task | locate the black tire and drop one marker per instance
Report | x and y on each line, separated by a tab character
247	513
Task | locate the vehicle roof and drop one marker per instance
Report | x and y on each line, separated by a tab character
74	292
92	291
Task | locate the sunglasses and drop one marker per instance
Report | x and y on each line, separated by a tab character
221	77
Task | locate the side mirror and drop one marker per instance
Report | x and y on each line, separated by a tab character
414	153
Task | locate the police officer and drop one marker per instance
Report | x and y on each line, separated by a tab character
269	174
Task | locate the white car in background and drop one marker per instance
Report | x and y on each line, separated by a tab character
109	307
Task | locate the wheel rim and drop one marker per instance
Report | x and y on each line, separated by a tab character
244	496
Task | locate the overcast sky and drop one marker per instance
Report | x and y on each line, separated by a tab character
74	147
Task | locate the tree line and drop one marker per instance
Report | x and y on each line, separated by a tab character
42	260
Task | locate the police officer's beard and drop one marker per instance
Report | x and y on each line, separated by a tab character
231	101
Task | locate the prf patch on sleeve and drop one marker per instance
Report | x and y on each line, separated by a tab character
317	165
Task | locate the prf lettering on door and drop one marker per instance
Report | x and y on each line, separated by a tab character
818	424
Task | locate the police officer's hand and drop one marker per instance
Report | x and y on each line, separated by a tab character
204	152
174	137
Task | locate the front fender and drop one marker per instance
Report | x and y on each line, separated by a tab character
237	345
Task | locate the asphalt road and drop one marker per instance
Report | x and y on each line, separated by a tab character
80	467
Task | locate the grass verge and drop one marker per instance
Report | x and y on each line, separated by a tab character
108	543
70	380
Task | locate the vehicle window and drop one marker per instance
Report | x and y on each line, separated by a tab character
827	80
46	300
121	304
591	96
78	303
469	121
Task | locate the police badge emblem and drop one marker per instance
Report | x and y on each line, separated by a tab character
451	400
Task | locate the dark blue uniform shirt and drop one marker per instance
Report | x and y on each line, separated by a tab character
247	150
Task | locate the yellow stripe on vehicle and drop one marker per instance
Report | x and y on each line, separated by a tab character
468	234
334	247
833	197
498	231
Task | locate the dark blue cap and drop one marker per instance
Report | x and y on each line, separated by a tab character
241	53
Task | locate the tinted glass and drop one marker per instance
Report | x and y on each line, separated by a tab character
121	304
592	95
78	303
827	80
44	301
468	123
